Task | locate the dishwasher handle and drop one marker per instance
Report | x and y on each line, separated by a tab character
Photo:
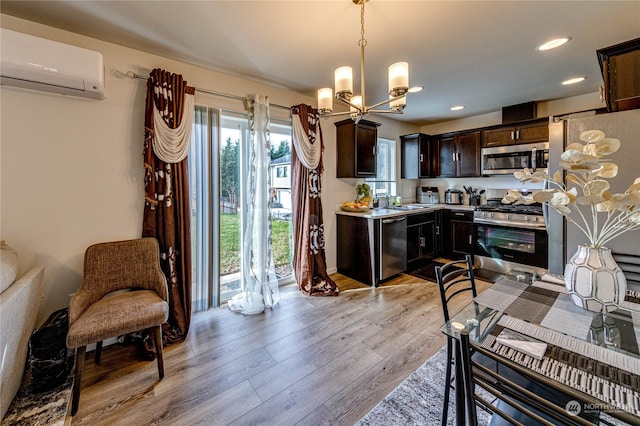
394	220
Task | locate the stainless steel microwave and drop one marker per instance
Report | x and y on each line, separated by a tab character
502	160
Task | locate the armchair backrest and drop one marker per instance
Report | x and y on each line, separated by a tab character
118	265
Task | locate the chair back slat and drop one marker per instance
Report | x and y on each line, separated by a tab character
453	280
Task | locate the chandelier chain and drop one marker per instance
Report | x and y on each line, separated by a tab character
363	41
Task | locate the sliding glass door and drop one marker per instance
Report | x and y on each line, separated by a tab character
218	162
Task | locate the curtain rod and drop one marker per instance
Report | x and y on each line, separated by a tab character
210	92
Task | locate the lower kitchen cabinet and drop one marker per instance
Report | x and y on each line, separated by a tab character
423	237
356	248
458	233
372	250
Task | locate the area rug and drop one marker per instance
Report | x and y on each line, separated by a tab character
418	399
42	408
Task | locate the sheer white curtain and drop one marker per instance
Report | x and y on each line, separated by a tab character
259	281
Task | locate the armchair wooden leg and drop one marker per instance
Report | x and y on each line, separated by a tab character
157	334
98	351
75	401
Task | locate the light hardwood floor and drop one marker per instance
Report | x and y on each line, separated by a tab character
307	361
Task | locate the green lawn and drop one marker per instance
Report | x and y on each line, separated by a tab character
230	243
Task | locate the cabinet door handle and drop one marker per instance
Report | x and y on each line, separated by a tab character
470	239
513	136
458	156
517	134
374	149
422	242
421	158
437	230
454	156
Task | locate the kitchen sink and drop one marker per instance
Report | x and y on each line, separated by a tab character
408	207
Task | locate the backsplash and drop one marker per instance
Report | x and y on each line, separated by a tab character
408	186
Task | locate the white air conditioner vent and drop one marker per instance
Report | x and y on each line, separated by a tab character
40	64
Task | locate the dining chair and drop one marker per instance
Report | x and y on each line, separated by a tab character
453	280
123	291
514	396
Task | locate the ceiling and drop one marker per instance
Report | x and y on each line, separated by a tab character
474	53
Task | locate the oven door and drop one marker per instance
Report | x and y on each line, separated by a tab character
512	244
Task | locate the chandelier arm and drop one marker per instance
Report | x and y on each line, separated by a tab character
385	111
335	114
358	107
386	101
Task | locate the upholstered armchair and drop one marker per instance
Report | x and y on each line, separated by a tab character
123	290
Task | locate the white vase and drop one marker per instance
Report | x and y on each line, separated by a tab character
594	280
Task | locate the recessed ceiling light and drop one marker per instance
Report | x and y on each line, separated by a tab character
552	44
573	81
457	107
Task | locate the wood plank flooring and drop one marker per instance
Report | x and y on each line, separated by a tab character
308	361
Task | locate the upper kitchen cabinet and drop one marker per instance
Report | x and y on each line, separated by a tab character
419	156
356	148
459	154
620	65
524	132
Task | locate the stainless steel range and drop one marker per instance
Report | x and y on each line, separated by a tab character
510	237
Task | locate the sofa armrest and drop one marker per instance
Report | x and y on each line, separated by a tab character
19	305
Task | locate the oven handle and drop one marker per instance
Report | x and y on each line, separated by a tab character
509	224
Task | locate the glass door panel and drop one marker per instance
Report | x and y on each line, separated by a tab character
218	161
234	134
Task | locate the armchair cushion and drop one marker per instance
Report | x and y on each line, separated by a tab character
117	315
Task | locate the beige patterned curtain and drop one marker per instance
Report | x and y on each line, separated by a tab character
168	120
309	261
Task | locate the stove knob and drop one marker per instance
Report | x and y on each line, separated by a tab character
507	216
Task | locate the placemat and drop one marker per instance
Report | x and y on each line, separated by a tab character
546	304
616	386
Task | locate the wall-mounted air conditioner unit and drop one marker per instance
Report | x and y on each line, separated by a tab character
40	64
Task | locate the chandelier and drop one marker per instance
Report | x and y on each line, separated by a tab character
398	86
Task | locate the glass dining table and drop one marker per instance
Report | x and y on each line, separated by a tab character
592	360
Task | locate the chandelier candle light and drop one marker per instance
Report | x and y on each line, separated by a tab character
398	86
592	277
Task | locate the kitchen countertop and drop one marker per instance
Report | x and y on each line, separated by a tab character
405	209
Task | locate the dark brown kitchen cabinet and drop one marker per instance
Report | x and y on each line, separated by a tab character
458	233
526	132
356	245
356	148
418	156
620	65
423	237
459	154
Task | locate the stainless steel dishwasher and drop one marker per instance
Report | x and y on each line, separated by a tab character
393	246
